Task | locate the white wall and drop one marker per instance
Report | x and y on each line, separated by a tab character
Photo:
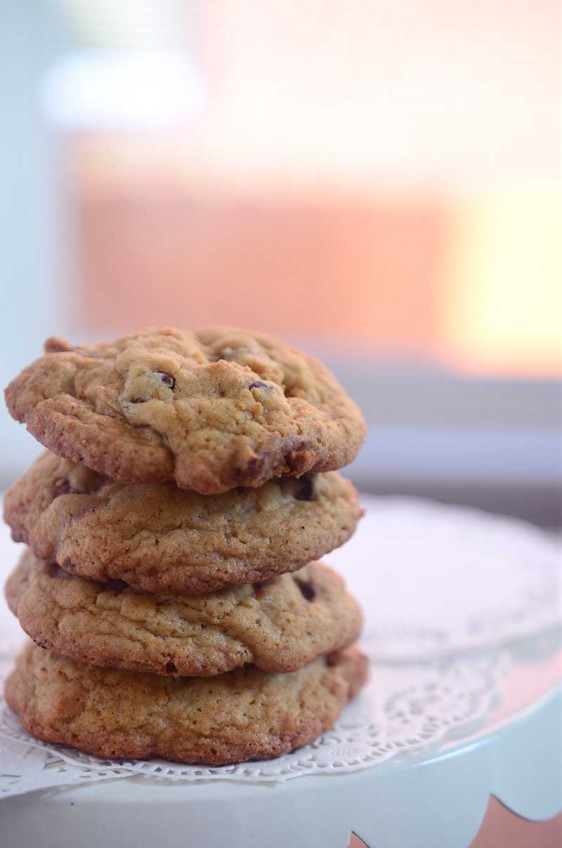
31	282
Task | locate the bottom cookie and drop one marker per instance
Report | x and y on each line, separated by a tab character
243	715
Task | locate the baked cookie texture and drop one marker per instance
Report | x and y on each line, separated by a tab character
278	626
243	715
211	410
158	538
171	583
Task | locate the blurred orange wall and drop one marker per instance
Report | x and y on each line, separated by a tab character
354	173
365	271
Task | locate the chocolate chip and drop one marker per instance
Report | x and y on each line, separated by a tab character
306	588
116	586
305	489
170	668
251	467
62	487
261	589
258	384
166	379
85	484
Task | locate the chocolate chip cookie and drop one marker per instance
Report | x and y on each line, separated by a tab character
243	715
211	410
158	538
278	626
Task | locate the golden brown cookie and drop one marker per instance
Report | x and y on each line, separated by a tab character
212	410
278	626
244	715
158	538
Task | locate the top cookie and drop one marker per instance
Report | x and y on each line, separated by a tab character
212	409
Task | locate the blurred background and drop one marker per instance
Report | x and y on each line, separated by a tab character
377	181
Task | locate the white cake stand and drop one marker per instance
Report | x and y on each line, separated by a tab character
429	796
436	800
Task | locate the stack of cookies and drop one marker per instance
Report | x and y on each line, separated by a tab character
170	584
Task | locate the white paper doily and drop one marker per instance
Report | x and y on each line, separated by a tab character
400	710
435	583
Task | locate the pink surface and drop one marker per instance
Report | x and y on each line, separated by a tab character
502	829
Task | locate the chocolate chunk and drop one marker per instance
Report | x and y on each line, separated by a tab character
171	668
305	489
253	465
166	379
85	484
306	588
116	586
62	487
57	572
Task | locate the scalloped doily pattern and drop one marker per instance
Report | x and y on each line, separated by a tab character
400	711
